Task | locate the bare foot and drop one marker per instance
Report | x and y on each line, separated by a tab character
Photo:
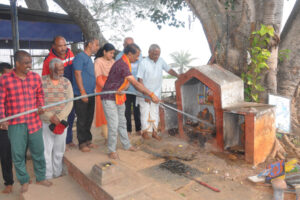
7	189
71	145
145	136
155	136
113	155
85	149
92	146
24	187
139	132
45	183
132	148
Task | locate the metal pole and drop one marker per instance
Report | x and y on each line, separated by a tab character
14	24
100	93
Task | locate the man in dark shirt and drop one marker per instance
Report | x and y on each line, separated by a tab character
113	104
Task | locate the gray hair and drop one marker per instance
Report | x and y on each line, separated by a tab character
53	62
154	47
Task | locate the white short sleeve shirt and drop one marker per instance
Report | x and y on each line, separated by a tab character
152	74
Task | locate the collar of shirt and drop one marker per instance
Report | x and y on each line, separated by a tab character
14	75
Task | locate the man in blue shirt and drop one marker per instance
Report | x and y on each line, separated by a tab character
84	82
131	99
150	75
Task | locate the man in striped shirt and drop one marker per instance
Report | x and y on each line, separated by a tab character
21	90
61	51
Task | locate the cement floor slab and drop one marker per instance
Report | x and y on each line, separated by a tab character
63	188
130	184
154	192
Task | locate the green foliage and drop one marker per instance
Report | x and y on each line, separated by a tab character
164	13
116	17
259	54
181	60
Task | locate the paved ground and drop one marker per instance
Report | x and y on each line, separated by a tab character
218	171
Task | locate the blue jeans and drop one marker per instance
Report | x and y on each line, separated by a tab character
116	123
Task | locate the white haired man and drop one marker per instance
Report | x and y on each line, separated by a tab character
150	75
57	88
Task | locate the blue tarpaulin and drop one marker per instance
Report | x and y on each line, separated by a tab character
40	31
37	28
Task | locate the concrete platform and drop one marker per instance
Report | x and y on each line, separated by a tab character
63	188
130	185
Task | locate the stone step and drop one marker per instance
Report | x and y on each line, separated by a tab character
126	184
63	188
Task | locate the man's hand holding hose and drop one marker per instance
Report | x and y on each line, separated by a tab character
154	98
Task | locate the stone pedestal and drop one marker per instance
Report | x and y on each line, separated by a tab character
106	172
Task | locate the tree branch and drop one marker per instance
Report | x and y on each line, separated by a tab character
37	5
80	14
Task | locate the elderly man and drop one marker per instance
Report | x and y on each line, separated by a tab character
59	50
84	82
56	88
5	152
150	75
21	90
131	99
113	104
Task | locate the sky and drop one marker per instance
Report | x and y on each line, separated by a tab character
172	39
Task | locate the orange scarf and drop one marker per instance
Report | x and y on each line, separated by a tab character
121	98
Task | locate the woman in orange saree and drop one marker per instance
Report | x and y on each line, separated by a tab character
103	63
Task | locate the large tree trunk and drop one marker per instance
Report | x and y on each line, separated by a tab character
272	15
83	18
289	69
228	32
37	5
78	12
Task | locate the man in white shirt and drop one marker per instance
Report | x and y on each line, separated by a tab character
150	74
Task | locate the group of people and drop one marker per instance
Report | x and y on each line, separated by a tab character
47	132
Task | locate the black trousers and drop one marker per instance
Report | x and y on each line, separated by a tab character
85	114
6	160
130	101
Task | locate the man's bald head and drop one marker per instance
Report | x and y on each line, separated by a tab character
127	41
59	45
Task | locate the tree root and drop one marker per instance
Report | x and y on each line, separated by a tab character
288	143
282	149
278	152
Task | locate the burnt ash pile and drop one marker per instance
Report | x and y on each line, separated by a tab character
180	168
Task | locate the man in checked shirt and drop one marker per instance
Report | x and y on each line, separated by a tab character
21	90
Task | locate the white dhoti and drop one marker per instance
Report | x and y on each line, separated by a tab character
149	115
54	149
